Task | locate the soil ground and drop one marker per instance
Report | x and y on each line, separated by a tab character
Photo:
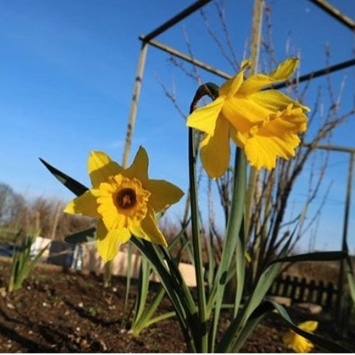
62	311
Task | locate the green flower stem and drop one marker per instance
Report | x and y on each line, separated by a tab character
233	243
211	90
196	242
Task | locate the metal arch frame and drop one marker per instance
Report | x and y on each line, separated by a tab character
149	39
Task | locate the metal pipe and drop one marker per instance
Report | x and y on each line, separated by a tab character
344	244
252	179
187	58
134	103
317	73
180	16
331	147
211	69
334	12
348	201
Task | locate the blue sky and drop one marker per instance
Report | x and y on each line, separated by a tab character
67	71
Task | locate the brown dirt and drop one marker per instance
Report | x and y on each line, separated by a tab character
58	311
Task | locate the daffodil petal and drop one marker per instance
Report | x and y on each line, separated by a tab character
108	241
238	138
254	83
139	167
285	69
262	150
258	156
148	229
289	338
109	214
215	150
163	194
244	112
100	167
84	204
274	100
297	343
245	64
204	118
259	81
231	86
308	326
302	345
291	121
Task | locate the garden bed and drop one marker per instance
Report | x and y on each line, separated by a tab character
70	311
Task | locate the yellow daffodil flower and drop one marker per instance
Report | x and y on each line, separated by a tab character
297	342
125	202
265	123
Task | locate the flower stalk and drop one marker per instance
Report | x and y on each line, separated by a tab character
210	90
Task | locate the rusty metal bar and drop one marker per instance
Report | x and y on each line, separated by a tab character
180	16
317	73
348	201
187	58
224	75
348	195
256	35
344	243
134	103
331	147
336	13
252	179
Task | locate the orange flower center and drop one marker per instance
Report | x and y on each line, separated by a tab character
126	198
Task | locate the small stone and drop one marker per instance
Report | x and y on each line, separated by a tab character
310	307
285	301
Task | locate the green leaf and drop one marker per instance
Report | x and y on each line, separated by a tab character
143	289
318	256
270	272
325	344
265	308
74	186
85	236
185	310
233	247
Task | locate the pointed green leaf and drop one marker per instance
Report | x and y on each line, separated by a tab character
268	306
85	236
74	186
325	344
318	256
